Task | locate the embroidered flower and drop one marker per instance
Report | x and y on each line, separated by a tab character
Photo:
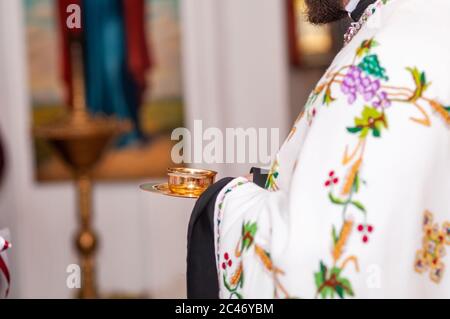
365	78
371	120
429	257
447	232
365	230
228	262
332	179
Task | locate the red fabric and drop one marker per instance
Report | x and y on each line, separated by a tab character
294	51
66	36
5	246
4	269
139	60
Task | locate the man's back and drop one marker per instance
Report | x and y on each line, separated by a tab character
358	200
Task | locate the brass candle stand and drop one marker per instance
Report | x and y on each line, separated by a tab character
81	140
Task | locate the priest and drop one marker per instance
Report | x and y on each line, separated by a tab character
357	202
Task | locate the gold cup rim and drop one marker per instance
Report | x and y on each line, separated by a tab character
190	172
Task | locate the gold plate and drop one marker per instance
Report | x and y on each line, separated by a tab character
163	189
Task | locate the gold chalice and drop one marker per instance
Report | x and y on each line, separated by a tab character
189	181
183	182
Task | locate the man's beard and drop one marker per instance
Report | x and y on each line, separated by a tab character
324	11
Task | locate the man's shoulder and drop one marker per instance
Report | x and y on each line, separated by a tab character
409	31
419	10
398	62
412	35
416	26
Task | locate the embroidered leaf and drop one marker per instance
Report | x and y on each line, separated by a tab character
323	270
248	235
340	291
359	206
365	47
420	80
356	183
312	98
334	235
327	98
271	183
354	130
447	108
336	271
227	286
423	78
329	283
376	132
318	279
371	120
345	283
336	200
327	291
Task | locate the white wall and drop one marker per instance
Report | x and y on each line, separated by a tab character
235	75
236	72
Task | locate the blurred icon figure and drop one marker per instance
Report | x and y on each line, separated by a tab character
116	57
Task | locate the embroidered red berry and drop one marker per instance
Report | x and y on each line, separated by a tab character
230	263
370	228
365	239
332	179
360	228
226	256
224	266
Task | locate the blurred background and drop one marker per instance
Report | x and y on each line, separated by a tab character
159	65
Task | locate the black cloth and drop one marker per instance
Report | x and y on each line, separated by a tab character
360	8
259	178
201	275
202	279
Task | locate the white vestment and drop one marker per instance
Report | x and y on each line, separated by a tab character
358	200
